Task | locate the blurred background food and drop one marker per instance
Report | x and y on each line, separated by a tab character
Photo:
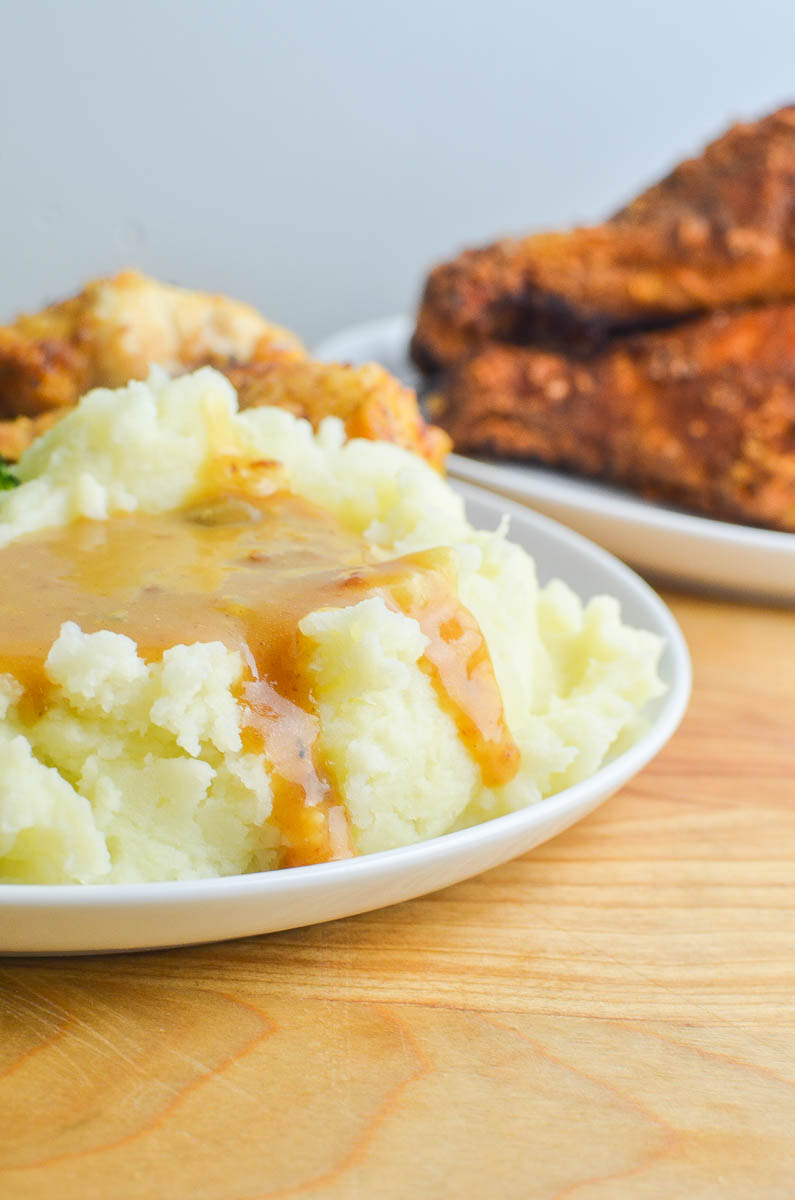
717	232
655	349
314	159
114	329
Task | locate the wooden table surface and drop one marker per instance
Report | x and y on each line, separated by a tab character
610	1016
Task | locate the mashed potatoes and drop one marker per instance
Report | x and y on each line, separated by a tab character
138	767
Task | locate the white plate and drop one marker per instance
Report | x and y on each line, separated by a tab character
662	542
81	919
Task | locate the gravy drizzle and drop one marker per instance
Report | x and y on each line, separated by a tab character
244	570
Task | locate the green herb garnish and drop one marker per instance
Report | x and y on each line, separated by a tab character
7	477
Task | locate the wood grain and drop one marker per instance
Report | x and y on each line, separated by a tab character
610	1016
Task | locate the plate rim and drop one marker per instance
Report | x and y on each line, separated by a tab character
608	778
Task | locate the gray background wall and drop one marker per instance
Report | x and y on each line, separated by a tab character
315	157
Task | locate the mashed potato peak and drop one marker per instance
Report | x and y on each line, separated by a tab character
123	760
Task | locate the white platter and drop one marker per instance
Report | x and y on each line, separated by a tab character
662	542
114	917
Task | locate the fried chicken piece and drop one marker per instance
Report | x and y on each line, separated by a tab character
717	232
115	329
371	402
701	416
39	374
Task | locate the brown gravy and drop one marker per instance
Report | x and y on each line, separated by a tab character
244	571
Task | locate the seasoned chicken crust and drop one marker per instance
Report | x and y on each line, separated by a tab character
115	329
717	232
701	416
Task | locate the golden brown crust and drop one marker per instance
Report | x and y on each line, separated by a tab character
702	416
717	232
37	375
115	329
371	403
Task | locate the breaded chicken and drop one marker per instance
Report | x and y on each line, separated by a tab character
372	403
115	329
701	416
717	232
